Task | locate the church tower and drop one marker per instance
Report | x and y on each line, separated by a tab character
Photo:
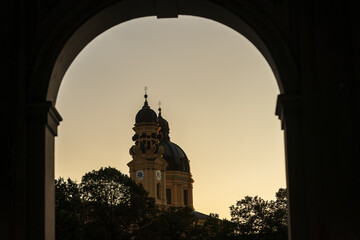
158	164
148	167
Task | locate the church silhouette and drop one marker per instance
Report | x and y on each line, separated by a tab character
158	164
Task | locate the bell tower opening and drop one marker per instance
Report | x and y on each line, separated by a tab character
186	198
168	196
158	190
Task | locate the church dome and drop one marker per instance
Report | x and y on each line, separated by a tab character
175	157
146	114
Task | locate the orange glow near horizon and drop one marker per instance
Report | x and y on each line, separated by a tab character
217	92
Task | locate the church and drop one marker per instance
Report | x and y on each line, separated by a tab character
158	164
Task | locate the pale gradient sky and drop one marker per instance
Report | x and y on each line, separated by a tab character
217	91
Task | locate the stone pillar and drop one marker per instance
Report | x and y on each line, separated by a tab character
43	120
290	113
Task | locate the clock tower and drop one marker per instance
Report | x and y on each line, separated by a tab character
158	164
148	167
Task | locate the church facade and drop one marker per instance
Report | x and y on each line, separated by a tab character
158	164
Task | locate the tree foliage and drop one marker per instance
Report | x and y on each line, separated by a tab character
256	218
69	210
108	205
115	205
214	228
172	224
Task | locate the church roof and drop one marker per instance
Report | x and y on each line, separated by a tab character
146	114
175	157
199	215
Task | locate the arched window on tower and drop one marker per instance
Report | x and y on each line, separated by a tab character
158	190
168	196
186	198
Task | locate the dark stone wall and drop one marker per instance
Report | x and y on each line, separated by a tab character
330	93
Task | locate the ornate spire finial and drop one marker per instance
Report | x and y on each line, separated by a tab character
159	103
145	96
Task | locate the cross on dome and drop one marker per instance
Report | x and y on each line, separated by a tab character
145	96
159	103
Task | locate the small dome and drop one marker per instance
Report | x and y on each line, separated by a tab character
163	123
175	157
146	114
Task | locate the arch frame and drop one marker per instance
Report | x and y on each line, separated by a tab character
66	36
70	35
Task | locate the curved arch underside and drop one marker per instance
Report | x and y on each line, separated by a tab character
64	43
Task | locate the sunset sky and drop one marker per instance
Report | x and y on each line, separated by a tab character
217	92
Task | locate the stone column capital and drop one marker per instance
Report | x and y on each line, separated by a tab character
44	113
287	104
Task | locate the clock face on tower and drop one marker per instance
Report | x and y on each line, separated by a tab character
158	174
139	174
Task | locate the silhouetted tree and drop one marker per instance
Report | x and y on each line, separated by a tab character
171	224
256	218
214	228
176	223
107	205
116	207
69	210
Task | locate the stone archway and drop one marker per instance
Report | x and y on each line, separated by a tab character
70	34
